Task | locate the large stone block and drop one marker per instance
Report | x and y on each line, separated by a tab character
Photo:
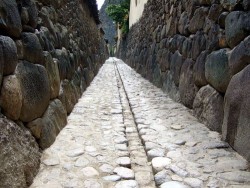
35	89
53	73
214	12
199	70
67	95
8	53
19	156
236	129
240	56
217	70
187	87
237	27
46	129
175	66
208	107
169	86
198	20
10	20
65	69
32	12
33	51
11	97
183	24
198	44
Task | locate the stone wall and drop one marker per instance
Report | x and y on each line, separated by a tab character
49	53
198	52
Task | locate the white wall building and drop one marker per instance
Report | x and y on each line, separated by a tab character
136	10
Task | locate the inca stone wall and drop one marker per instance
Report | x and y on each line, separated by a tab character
198	52
49	53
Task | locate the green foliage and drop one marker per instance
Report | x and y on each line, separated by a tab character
119	13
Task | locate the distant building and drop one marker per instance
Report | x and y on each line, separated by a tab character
136	10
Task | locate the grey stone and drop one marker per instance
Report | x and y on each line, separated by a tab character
208	107
19	157
75	152
125	173
198	20
113	178
11	97
175	66
51	161
124	161
35	89
46	128
159	163
237	27
186	86
92	184
81	162
234	129
199	70
33	51
217	70
90	172
173	184
193	182
127	184
237	176
53	74
10	20
157	152
8	54
106	168
239	57
162	177
177	170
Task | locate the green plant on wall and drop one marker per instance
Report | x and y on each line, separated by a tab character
119	13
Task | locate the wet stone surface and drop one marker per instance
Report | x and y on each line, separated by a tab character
125	132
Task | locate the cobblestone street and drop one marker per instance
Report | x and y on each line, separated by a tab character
126	133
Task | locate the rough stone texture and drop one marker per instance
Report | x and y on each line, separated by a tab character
10	20
187	86
53	74
199	70
208	107
239	57
198	20
175	66
9	55
67	95
237	27
32	49
35	90
235	127
46	129
19	156
217	70
11	97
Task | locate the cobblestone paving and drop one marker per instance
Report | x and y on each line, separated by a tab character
124	132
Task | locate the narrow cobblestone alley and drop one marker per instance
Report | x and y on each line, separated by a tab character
124	132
